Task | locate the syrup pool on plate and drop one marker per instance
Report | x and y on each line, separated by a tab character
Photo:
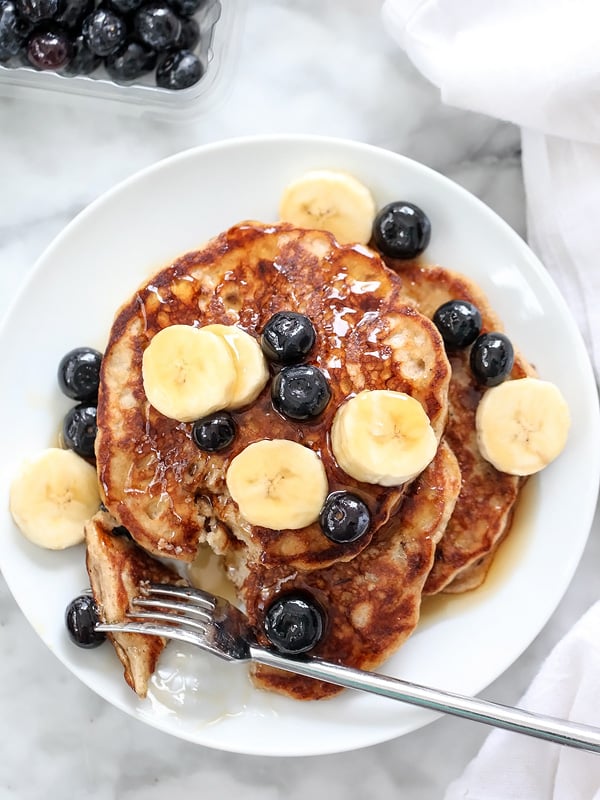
197	685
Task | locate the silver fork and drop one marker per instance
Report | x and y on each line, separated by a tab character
215	625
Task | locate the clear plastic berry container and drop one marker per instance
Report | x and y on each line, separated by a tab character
219	22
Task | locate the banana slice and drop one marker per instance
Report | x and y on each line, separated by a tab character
330	201
52	496
382	437
278	484
250	363
522	425
188	372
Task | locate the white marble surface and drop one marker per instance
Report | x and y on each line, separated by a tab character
307	67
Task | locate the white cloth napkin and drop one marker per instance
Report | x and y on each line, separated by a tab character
514	767
535	63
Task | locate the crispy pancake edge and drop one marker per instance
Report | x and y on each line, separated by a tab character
118	570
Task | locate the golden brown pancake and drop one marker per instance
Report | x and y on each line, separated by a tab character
118	570
172	496
484	508
474	575
372	602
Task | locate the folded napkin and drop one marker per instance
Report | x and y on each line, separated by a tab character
514	767
535	63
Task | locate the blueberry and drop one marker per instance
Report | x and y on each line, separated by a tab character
131	61
401	230
294	623
189	37
288	337
73	13
79	430
81	618
48	48
459	322
35	11
79	373
126	6
104	31
300	392
344	517
179	70
157	26
83	61
185	8
215	432
491	358
13	30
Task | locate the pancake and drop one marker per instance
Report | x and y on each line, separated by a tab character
172	496
118	570
372	602
485	505
473	576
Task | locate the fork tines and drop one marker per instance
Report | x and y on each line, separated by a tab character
189	607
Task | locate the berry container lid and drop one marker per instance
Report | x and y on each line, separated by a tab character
219	22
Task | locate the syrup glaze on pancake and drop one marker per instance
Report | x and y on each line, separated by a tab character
372	602
485	505
118	570
169	494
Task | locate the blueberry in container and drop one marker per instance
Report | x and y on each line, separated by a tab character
162	58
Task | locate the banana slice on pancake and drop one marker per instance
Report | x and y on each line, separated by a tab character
382	437
278	484
522	425
252	372
52	496
188	372
329	200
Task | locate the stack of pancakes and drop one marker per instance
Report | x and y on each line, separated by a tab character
374	331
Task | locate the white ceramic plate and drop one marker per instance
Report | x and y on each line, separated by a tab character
463	643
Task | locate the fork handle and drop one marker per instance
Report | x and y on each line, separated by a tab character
552	729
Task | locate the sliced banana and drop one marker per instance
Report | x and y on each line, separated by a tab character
382	437
278	484
188	372
251	366
522	425
52	496
332	201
